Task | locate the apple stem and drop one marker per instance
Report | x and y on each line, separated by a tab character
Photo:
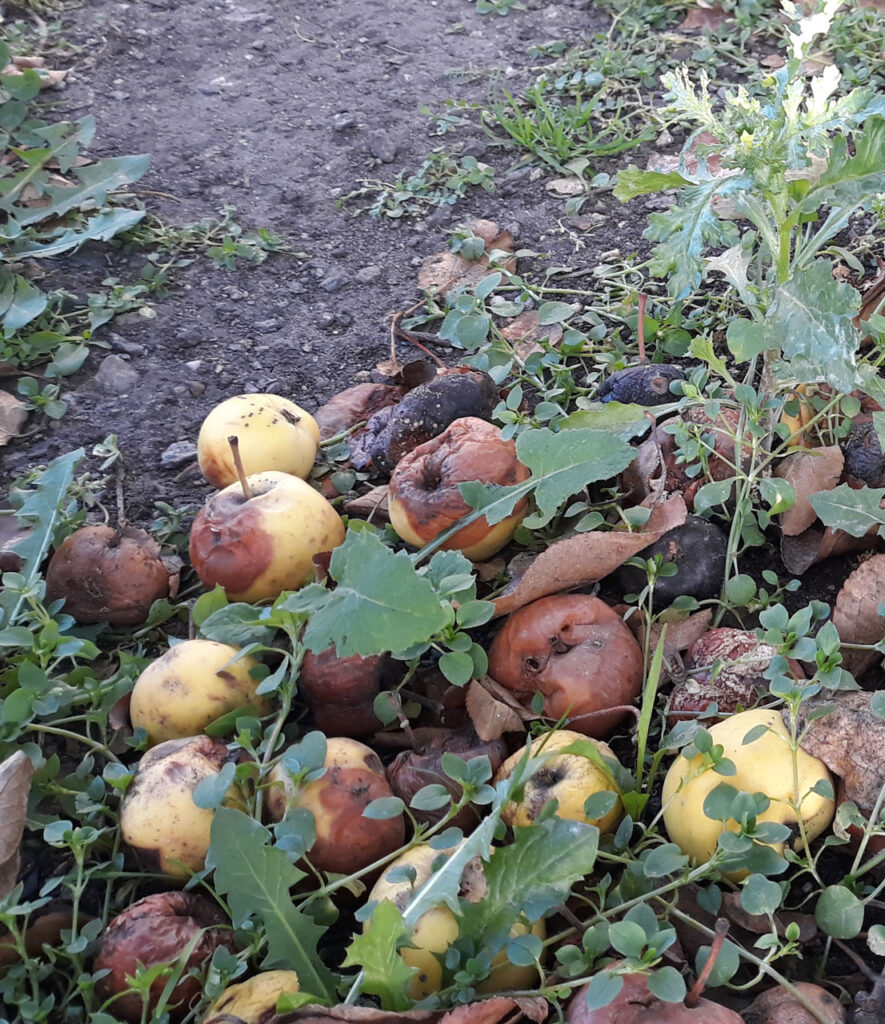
234	443
694	996
643	299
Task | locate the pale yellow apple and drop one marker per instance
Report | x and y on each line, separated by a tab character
569	778
763	766
257	547
354	777
254	1000
274	434
436	929
190	686
158	817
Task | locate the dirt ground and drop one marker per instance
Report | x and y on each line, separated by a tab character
277	108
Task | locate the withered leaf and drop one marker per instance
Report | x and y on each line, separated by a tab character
808	473
681	632
496	1010
710	18
816	543
372	505
850	740
16	773
491	717
759	924
448	270
524	332
856	614
13	414
583	559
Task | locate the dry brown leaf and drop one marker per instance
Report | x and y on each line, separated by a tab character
680	635
372	505
446	271
760	924
666	163
16	773
13	414
583	559
496	1010
566	186
850	740
807	473
856	614
524	331
815	544
491	717
48	76
710	18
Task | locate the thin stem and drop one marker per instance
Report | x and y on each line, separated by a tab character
697	989
234	443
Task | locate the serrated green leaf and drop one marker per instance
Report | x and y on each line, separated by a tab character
854	177
379	604
257	878
634	182
376	952
238	624
101	227
854	511
626	421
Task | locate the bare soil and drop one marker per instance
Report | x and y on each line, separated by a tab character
278	107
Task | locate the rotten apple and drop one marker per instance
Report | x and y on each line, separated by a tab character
647	384
424	497
157	930
275	435
353	777
191	685
578	653
258	538
108	575
340	692
159	820
635	1004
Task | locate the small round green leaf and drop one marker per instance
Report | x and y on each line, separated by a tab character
839	912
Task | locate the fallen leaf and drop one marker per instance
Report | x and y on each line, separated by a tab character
445	271
760	924
566	187
583	559
808	473
666	163
709	18
372	505
13	414
497	1010
680	635
491	717
524	331
487	571
856	614
48	76
850	740
773	61
353	405
816	544
15	785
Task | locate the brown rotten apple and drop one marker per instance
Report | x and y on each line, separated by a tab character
156	930
275	434
578	653
424	499
345	840
108	575
341	691
261	541
159	819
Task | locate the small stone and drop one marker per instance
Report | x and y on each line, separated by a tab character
267	326
196	387
332	284
259	44
366	275
342	122
194	364
382	147
120	344
179	453
116	375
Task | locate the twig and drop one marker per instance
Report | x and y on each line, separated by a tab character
234	443
694	995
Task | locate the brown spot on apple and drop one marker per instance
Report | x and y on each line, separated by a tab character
228	543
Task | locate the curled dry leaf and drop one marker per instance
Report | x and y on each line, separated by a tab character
447	270
525	331
16	773
497	1010
808	473
583	559
669	162
13	414
709	18
490	713
850	740
856	613
680	635
816	543
372	505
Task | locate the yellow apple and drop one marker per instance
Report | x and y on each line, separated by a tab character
763	766
254	1000
569	778
258	546
190	686
354	777
436	929
159	819
274	434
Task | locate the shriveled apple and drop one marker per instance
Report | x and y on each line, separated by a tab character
354	777
159	820
253	1001
275	435
108	575
779	1006
578	653
571	779
765	766
437	929
424	497
340	692
635	1004
190	686
157	930
261	541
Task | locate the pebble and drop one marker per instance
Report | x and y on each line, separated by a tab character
332	284
116	375
343	122
194	364
366	275
179	453
382	146
196	387
120	344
